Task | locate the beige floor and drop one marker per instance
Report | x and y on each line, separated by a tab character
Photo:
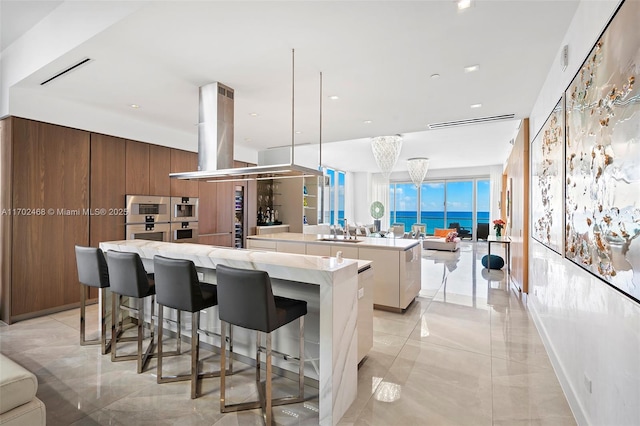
465	353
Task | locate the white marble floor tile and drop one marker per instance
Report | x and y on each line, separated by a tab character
523	392
429	384
464	353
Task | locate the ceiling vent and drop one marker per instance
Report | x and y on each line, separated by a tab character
478	120
67	70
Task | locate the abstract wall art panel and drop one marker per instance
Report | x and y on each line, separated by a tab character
603	157
547	180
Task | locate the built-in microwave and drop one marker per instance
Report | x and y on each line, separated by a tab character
184	232
149	231
147	208
184	209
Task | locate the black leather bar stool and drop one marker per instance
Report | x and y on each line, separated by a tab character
129	278
178	287
93	272
246	299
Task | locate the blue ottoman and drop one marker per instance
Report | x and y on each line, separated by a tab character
496	261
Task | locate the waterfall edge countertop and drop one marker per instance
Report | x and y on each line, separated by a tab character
397	266
330	324
370	242
294	267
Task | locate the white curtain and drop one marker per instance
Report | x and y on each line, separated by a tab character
495	193
380	192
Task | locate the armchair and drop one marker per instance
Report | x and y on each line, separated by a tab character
483	231
461	230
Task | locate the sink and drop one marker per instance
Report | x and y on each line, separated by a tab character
339	240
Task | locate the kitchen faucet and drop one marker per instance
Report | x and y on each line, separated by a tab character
345	233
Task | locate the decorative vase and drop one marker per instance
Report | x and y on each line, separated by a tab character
498	232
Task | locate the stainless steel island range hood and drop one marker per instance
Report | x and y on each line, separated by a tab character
215	142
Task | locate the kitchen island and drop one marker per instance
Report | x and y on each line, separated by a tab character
396	261
330	287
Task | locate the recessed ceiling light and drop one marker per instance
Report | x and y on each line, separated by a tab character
134	106
472	68
334	97
476	105
435	76
464	4
367	122
298	132
253	114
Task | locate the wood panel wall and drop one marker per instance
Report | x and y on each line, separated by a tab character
108	189
183	161
517	170
216	216
73	172
50	171
137	168
6	219
159	169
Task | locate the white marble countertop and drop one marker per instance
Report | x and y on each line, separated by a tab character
369	242
294	267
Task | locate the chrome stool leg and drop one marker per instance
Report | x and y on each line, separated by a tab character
265	389
102	338
117	329
195	375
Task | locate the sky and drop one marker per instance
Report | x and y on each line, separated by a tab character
459	196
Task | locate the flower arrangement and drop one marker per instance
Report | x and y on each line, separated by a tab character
451	237
498	224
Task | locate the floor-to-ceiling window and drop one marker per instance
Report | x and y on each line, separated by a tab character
432	211
335	194
459	202
460	208
483	188
403	201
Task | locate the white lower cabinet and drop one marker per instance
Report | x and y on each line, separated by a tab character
365	312
261	245
318	250
396	272
386	265
348	252
410	275
289	247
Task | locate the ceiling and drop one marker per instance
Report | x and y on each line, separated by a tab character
377	57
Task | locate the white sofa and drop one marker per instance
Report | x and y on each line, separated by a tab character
18	402
440	243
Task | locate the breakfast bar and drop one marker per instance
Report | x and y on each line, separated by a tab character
330	287
397	267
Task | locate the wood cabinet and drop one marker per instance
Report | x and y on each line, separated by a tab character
216	213
147	169
159	169
6	220
183	161
51	175
108	188
222	240
137	168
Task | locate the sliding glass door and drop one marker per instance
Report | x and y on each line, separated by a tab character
460	207
450	203
403	199
432	212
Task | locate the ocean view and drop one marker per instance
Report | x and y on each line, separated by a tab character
435	220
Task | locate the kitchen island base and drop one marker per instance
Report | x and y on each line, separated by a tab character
330	287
